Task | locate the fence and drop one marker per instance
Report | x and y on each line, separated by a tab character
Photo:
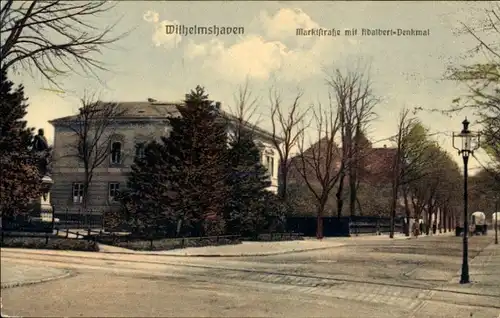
344	226
47	236
83	219
158	242
26	224
275	237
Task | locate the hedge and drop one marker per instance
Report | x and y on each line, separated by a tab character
50	243
143	244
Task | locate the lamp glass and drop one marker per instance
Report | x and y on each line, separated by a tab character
466	142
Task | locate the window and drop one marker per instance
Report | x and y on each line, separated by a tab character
77	192
270	164
116	152
114	188
140	150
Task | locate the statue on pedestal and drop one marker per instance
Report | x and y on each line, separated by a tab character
41	149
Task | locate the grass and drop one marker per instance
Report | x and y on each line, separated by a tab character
167	243
53	243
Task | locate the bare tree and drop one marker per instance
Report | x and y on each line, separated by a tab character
94	129
286	130
318	165
356	103
53	37
244	111
404	126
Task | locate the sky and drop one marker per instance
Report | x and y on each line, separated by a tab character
406	71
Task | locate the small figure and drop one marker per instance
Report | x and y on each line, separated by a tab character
40	142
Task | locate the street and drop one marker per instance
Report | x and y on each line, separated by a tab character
379	278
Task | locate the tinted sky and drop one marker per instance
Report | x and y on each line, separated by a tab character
406	71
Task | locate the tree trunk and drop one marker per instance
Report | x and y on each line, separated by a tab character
429	221
319	221
445	218
338	195
352	196
360	208
393	209
407	212
352	187
283	183
395	190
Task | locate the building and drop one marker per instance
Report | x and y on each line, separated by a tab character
375	176
138	123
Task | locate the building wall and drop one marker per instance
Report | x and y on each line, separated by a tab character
68	168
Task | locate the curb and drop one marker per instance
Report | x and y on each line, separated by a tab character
66	274
228	255
442	286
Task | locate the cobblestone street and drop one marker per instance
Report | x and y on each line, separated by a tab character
375	278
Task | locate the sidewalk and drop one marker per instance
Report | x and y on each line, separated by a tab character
239	250
481	295
249	249
14	274
484	272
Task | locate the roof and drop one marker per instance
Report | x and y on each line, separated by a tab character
376	164
318	148
157	110
135	110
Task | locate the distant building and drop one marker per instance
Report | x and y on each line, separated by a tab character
376	170
141	123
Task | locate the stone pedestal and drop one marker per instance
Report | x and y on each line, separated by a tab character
42	209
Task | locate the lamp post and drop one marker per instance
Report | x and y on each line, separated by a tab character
496	214
469	143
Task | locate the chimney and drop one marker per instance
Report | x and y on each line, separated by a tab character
385	146
217	105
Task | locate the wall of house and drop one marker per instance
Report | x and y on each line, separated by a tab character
68	168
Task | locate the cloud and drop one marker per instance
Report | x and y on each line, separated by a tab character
194	50
251	56
151	16
160	36
275	50
285	22
260	56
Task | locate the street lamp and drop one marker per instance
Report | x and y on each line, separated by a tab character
496	216
469	143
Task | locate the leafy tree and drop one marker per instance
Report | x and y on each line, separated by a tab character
484	194
247	179
483	81
145	201
20	181
196	157
182	179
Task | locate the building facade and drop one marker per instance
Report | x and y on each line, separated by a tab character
126	138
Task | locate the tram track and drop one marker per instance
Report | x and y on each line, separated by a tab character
363	290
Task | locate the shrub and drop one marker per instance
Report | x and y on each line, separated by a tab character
165	244
51	244
276	237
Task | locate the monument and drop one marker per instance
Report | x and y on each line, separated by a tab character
42	209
